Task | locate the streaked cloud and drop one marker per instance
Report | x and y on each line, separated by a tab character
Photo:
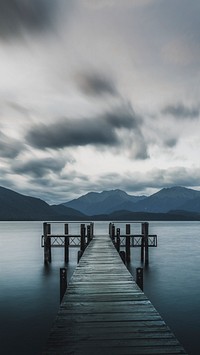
39	168
101	130
95	84
180	111
33	16
9	147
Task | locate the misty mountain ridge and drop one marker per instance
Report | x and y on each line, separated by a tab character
15	206
163	201
176	203
104	202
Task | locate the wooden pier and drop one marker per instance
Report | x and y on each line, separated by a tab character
104	311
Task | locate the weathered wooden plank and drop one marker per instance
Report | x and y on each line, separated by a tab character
105	312
83	308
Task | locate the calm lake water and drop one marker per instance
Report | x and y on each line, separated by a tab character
29	291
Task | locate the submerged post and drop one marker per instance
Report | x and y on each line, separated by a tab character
128	229
88	234
110	229
82	237
63	282
142	242
118	240
66	231
146	243
113	232
139	277
91	230
128	244
47	242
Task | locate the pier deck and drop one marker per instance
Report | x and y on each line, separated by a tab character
105	312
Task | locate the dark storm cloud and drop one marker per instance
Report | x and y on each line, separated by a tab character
181	111
19	15
96	84
39	168
9	148
67	132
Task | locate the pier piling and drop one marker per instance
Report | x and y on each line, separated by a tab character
66	246
83	237
146	243
63	282
128	243
47	242
139	277
118	240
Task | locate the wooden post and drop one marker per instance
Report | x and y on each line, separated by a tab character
128	243
128	229
113	232
47	242
91	230
142	243
45	232
146	243
82	237
66	246
63	282
118	240
128	248
88	234
139	277
110	230
80	253
66	228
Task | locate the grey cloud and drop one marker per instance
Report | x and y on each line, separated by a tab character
68	132
18	108
39	168
32	15
110	3
181	111
187	21
170	142
62	189
175	176
9	147
124	117
141	151
153	179
96	84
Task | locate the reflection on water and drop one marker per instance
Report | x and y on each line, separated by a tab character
29	293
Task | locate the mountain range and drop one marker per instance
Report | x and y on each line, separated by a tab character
105	202
163	201
15	206
175	203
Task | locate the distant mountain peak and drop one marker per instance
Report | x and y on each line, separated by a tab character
106	201
178	191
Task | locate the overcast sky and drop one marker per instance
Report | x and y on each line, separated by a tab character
98	95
